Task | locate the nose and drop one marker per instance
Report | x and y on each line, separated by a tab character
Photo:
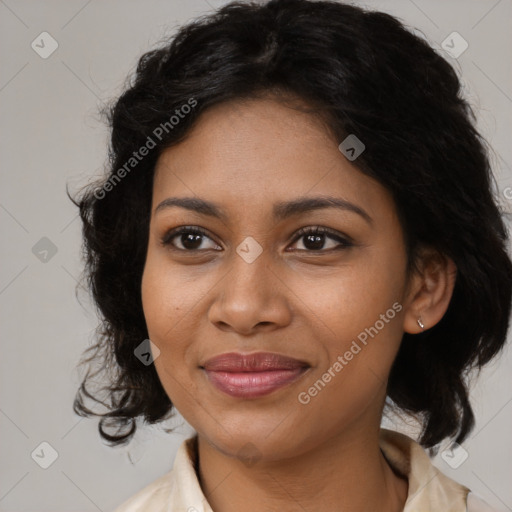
250	298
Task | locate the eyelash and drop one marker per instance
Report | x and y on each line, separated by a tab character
345	242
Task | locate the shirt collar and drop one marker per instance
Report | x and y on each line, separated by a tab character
429	489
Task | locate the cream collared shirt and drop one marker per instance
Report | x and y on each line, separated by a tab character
429	489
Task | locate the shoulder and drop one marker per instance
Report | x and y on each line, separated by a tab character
429	488
152	498
179	489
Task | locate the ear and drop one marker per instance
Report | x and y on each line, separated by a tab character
430	290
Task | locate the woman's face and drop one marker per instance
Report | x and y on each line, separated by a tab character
334	302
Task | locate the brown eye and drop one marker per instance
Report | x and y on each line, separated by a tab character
316	238
188	239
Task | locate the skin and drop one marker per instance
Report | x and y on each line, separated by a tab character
324	455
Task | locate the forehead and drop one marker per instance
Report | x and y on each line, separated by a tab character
253	152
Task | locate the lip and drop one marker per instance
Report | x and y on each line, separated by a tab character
252	375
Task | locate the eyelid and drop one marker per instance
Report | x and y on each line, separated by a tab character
321	230
173	232
343	240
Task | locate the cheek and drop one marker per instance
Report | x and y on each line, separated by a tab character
169	307
157	300
163	311
165	299
358	317
347	303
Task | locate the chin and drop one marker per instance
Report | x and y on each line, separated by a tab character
250	443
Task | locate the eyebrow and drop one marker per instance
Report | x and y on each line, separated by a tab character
281	211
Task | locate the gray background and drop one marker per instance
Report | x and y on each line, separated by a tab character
51	135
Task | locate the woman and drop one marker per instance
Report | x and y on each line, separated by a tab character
299	216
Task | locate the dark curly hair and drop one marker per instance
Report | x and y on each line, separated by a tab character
361	72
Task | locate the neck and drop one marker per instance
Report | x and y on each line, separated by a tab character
346	473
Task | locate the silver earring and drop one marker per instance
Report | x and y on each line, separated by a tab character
421	324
